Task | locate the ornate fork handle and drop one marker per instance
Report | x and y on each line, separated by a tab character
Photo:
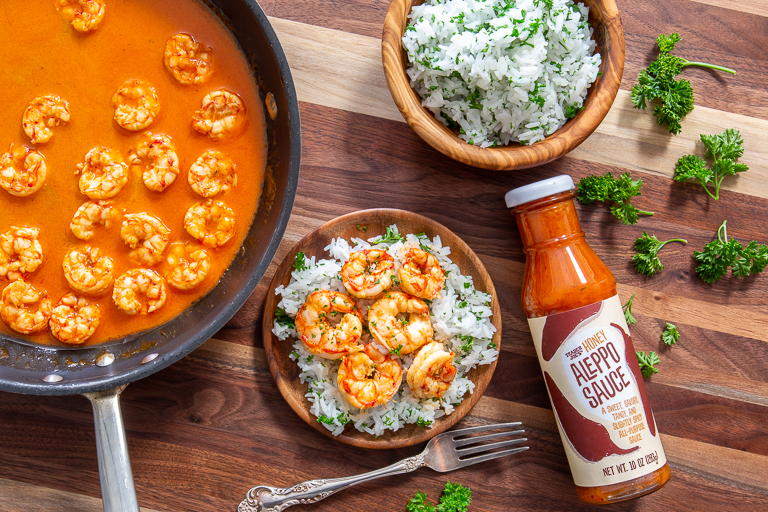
263	498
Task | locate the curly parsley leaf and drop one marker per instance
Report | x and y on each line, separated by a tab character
455	498
390	236
647	362
619	192
721	254
283	318
723	149
299	261
658	83
646	260
628	311
670	335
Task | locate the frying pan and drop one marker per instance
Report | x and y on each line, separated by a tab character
101	372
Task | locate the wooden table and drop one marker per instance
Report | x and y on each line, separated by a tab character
206	429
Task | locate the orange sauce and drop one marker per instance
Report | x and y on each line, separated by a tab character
44	55
564	273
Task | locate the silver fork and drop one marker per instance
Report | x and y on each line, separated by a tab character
445	452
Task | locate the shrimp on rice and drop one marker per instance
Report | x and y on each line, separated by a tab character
388	323
368	379
368	273
421	274
320	337
431	372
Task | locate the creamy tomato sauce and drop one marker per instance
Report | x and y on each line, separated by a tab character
44	55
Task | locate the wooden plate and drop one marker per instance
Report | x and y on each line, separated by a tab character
286	372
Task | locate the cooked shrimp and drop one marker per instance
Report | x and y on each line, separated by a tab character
155	154
212	223
25	309
402	335
74	319
42	114
103	174
222	115
90	214
135	284
316	332
368	273
136	105
368	379
421	275
84	15
146	235
431	372
87	271
20	252
213	173
187	265
189	61
22	171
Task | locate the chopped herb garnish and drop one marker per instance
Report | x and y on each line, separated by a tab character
283	318
390	237
299	262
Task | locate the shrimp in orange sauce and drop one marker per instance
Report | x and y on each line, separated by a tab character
24	309
22	171
139	290
212	223
155	155
146	235
87	271
103	174
20	252
187	265
74	319
221	115
42	114
213	173
84	15
189	61
91	214
136	105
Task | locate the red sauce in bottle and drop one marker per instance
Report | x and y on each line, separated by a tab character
587	357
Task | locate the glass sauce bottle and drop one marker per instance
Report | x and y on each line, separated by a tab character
583	343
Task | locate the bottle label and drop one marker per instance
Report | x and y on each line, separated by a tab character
598	394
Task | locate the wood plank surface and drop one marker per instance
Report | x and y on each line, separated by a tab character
204	430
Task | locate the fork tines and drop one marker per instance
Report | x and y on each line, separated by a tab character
467	445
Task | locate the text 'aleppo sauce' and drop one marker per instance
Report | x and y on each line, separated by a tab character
45	55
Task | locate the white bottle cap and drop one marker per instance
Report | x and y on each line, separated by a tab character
539	189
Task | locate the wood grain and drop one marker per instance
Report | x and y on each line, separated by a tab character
204	430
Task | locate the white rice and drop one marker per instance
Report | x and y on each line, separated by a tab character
501	71
460	317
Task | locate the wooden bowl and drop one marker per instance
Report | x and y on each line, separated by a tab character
374	222
609	37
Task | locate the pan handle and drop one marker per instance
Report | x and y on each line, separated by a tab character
117	491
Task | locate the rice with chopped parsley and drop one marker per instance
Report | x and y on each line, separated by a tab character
501	71
460	317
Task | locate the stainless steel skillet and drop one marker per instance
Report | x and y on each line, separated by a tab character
102	372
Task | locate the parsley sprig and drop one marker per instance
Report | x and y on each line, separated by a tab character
628	311
617	191
646	260
647	362
455	498
721	254
658	83
283	318
390	236
670	335
299	261
723	149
